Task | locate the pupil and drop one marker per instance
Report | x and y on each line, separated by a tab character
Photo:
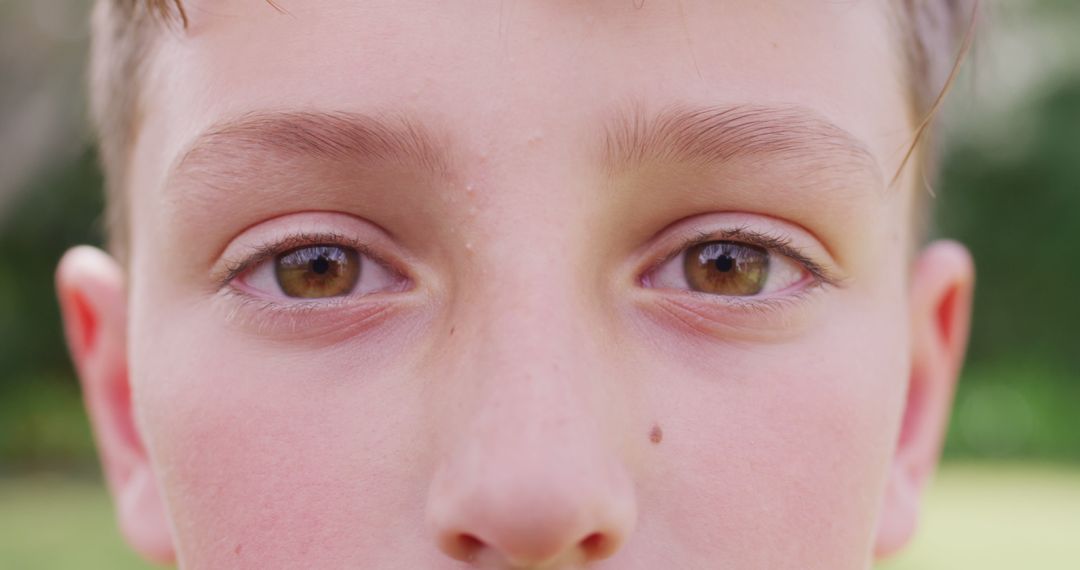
320	265
724	263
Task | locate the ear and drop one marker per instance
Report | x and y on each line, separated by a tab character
941	289
93	303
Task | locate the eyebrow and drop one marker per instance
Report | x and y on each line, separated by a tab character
714	135
333	136
699	136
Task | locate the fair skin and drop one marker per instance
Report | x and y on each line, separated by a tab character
521	376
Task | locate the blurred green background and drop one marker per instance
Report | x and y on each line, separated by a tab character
1009	492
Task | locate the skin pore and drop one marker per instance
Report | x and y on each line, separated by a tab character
514	369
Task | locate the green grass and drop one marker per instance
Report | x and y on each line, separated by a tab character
978	517
59	523
998	517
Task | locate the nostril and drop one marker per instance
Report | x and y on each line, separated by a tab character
593	546
524	514
468	547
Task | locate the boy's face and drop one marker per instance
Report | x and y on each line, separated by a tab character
509	348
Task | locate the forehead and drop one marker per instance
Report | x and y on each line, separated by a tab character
496	74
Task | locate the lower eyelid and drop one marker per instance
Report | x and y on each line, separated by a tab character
321	320
728	318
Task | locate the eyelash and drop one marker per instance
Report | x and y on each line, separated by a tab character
268	251
771	242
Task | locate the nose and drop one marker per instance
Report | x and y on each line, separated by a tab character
530	512
532	476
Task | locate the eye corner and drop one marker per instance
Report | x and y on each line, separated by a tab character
825	276
231	271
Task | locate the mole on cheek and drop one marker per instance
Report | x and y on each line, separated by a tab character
656	435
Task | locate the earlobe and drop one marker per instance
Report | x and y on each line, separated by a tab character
940	296
91	291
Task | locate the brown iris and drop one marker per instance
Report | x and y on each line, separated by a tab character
726	268
317	271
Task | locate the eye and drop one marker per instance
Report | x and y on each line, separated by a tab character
729	268
318	272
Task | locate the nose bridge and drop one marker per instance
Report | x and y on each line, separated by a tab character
540	363
533	342
544	385
532	472
537	379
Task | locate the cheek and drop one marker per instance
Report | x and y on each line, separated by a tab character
292	455
781	450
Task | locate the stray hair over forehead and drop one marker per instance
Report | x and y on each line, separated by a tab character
934	35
